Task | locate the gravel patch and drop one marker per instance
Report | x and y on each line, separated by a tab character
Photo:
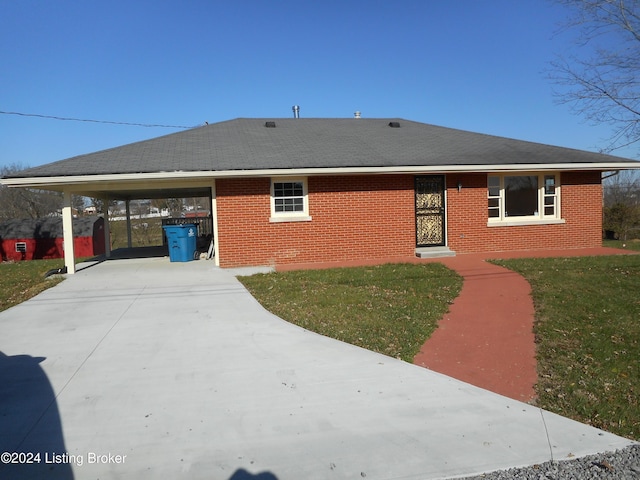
623	464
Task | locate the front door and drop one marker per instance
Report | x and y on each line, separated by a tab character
430	227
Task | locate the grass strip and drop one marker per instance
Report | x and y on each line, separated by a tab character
391	309
625	245
20	281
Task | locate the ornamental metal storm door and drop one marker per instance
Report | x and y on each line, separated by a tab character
430	228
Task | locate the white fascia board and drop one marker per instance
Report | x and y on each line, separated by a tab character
431	169
79	180
195	178
540	167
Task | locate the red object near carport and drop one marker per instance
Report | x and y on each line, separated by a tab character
42	238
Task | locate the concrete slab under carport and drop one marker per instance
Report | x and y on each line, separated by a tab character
177	369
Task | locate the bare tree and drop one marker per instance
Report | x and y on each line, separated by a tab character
621	214
99	205
622	188
173	205
17	203
78	204
600	80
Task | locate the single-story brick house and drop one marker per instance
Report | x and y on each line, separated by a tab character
37	239
310	191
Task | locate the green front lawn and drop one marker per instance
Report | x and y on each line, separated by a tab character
391	309
22	280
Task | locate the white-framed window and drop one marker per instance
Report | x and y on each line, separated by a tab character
523	198
289	199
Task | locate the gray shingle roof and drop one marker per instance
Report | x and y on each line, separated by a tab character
42	228
246	144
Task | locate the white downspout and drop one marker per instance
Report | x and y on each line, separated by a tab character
67	233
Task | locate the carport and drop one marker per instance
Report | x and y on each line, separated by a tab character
125	188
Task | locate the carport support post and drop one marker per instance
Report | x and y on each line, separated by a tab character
107	230
214	220
67	233
128	209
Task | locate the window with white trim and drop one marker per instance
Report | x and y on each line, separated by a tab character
289	200
524	197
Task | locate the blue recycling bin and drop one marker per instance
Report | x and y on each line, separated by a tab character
181	240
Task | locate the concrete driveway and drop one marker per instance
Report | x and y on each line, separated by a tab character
144	368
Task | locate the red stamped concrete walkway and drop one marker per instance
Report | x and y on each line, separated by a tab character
487	338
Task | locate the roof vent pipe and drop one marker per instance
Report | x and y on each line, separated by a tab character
296	111
356	114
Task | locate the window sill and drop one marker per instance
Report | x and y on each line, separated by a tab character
522	223
293	218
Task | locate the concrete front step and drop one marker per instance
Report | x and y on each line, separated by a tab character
434	252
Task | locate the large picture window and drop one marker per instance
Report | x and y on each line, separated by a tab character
526	197
289	199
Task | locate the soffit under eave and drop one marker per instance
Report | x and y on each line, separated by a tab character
147	194
131	190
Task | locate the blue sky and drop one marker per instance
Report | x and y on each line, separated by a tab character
467	64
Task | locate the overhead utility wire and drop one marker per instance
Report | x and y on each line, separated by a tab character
51	117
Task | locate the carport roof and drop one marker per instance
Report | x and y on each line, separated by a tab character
246	146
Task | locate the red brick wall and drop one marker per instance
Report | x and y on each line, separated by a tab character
373	217
580	206
353	218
